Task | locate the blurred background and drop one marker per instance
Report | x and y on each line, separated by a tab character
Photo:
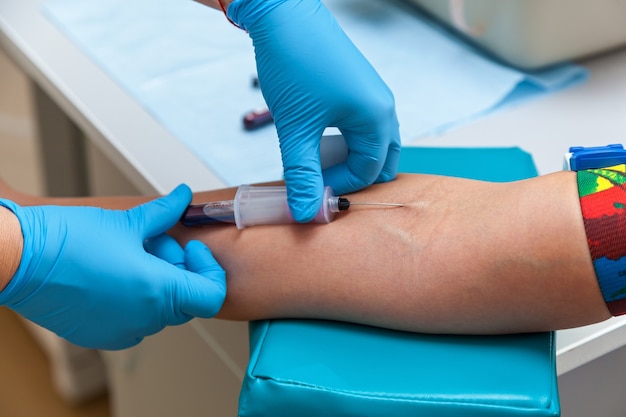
26	387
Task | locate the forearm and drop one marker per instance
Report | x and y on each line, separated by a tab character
463	256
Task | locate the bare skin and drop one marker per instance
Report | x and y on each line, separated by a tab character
10	245
214	3
462	256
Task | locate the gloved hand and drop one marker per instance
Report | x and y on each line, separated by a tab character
85	275
313	77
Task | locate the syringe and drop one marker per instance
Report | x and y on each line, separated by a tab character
256	205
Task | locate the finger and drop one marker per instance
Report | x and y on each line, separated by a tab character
303	176
119	345
362	167
204	291
390	169
167	248
157	216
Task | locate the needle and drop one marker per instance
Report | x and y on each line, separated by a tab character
343	204
353	203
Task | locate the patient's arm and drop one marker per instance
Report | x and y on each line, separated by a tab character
463	256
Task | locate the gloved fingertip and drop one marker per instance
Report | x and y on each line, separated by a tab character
200	259
198	250
115	345
303	211
305	191
211	286
161	214
167	248
135	342
389	172
182	187
197	245
344	181
181	193
392	163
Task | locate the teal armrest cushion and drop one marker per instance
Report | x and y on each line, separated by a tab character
310	368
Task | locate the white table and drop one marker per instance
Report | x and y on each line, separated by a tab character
75	96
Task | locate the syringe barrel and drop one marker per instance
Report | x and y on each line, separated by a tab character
256	205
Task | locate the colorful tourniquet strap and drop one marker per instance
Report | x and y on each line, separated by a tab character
602	194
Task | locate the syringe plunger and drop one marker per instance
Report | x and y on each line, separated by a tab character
256	205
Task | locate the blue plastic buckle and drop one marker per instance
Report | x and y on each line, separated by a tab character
580	158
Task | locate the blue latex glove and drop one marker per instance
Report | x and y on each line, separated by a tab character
85	275
312	77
